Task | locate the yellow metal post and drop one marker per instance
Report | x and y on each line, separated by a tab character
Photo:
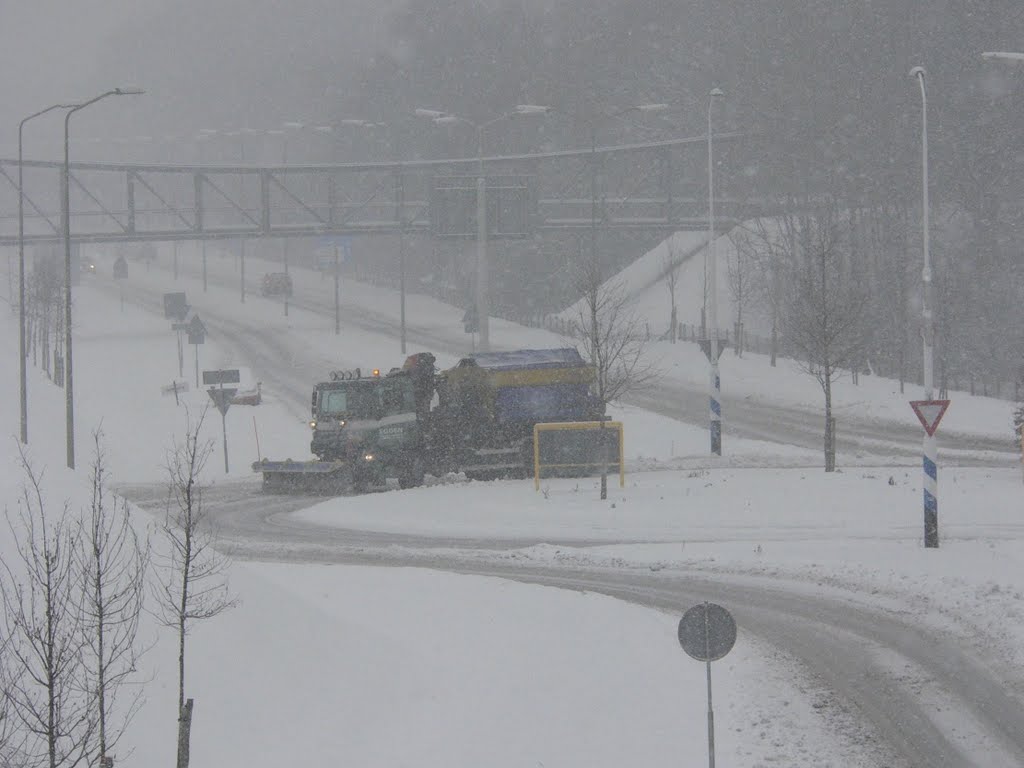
536	459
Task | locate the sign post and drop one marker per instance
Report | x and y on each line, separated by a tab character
707	632
221	397
196	335
341	247
176	308
174	388
929	413
120	273
337	292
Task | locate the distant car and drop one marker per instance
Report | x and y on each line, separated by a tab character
277	284
249	396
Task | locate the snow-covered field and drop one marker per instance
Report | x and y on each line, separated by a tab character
393	667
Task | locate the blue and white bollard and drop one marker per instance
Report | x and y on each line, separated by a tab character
931	493
716	410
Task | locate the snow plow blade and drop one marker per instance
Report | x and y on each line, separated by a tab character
319	477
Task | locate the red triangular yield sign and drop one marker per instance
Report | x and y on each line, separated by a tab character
929	412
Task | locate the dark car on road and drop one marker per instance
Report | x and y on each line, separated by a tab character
277	284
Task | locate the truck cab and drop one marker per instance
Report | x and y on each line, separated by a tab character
370	423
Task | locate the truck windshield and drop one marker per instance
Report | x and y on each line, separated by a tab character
369	400
355	399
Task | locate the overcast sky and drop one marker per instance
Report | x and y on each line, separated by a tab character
49	51
203	63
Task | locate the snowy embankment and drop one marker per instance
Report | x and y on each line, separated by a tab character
483	671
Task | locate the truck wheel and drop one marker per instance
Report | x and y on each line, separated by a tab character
412	474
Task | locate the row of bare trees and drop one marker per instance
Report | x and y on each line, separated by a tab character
73	592
44	317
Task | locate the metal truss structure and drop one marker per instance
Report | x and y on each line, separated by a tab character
659	186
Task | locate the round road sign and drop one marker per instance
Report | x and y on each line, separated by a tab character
707	632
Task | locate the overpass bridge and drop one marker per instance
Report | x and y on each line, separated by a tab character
652	187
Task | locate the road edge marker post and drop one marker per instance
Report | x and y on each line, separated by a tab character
930	413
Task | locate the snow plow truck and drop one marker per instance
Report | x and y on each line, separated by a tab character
476	418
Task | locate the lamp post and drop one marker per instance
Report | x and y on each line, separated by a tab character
399	214
715	399
68	384
283	133
23	376
931	473
483	308
204	135
399	203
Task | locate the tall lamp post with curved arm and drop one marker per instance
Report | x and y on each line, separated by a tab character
69	394
390	133
931	472
23	377
483	308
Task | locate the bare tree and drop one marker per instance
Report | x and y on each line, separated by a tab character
763	252
12	737
740	284
671	277
822	309
612	339
45	684
192	585
112	566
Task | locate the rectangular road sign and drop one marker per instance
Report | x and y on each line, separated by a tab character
175	306
225	376
580	447
343	243
929	413
175	387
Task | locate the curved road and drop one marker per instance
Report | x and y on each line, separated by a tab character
896	680
802	427
907	695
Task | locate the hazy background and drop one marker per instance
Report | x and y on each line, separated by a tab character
823	83
203	63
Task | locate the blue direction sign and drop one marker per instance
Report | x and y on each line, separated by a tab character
342	242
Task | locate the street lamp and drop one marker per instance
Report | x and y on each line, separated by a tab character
204	135
246	131
399	205
482	295
23	376
68	383
716	382
931	503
